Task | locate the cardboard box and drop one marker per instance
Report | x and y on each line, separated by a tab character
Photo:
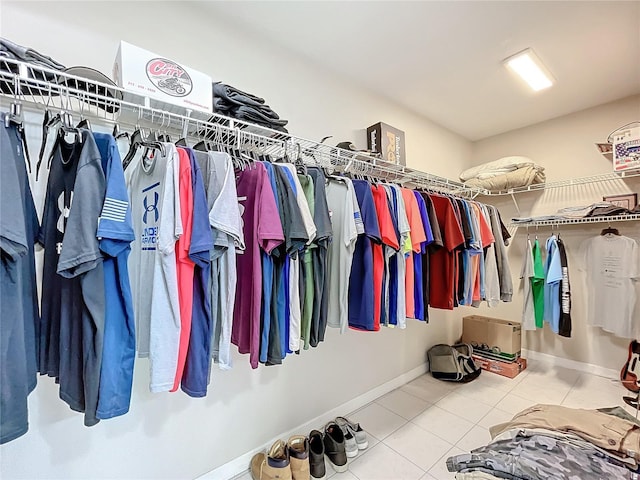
506	369
387	140
145	73
626	150
499	336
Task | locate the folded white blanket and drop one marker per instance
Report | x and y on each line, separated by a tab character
498	167
521	177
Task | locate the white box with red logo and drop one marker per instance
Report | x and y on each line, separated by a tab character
147	74
626	149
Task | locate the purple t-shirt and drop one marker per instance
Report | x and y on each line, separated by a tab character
262	230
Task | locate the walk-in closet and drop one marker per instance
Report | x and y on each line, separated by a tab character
311	240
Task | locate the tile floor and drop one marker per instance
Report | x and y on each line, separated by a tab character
412	430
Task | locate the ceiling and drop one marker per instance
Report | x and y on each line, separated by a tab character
443	60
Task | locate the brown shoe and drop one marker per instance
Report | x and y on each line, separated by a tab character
274	465
299	457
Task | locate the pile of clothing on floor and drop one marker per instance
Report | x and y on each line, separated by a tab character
598	209
234	103
556	442
505	173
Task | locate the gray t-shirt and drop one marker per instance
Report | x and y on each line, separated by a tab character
152	181
340	201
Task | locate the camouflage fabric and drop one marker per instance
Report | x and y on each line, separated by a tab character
540	458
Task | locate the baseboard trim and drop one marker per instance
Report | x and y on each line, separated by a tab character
241	463
574	364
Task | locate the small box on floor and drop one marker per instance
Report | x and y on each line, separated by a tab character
506	369
501	338
387	140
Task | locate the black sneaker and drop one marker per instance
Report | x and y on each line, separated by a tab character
316	455
334	447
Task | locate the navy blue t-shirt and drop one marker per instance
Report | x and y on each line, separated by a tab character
393	265
115	232
361	279
195	377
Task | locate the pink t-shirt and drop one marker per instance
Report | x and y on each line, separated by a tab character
185	266
262	230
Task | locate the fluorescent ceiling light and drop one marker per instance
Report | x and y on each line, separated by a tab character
530	68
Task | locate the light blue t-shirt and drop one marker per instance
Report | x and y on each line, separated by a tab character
552	278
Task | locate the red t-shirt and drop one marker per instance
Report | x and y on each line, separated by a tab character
389	238
442	272
184	264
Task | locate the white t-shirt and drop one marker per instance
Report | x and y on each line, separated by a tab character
611	263
155	207
526	274
340	252
492	277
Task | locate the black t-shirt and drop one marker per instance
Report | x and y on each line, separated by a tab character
564	328
73	298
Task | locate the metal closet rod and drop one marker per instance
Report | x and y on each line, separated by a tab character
46	88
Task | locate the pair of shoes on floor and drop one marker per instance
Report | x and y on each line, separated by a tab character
355	438
341	440
283	461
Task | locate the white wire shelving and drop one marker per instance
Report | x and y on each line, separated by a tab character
574	221
570	182
47	89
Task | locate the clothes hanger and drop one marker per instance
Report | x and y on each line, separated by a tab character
609	230
84	122
15	117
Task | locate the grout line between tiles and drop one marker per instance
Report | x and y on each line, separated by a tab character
443	439
408	460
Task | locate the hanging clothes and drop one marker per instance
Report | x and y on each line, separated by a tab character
444	261
361	279
340	253
381	254
324	235
115	231
195	375
432	247
19	312
552	279
611	264
73	295
262	230
418	290
227	237
527	275
417	236
564	327
153	183
537	284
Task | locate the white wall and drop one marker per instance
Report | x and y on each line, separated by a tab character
565	147
171	435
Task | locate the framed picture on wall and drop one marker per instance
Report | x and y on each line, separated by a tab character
628	200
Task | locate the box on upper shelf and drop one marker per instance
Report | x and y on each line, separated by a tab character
626	150
147	74
387	140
